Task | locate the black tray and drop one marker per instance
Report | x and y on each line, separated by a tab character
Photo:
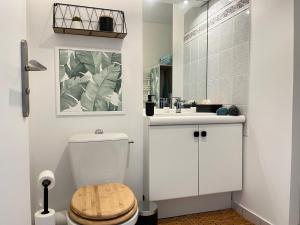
210	108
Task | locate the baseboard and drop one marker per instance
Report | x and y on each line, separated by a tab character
186	206
248	214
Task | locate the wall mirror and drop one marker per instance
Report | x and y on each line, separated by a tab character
196	50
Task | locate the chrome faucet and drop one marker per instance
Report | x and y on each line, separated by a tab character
178	104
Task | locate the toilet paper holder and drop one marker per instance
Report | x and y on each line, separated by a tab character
46	184
47	181
45	216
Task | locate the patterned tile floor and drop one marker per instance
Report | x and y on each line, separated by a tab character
224	217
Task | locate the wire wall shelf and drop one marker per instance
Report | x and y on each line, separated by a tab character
82	20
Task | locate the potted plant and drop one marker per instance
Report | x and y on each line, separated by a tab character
76	23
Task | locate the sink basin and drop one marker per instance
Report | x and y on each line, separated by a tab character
184	112
189	116
172	114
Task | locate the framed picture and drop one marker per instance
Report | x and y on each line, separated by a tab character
88	81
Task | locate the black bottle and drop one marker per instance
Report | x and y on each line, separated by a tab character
150	106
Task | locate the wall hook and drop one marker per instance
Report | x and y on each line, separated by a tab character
27	66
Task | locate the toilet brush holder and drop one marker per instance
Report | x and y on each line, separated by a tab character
148	213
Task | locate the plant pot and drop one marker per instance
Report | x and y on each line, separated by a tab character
76	25
106	23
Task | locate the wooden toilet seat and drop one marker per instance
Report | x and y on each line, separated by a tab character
115	221
105	204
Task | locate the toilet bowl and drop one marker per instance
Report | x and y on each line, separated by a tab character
98	164
131	221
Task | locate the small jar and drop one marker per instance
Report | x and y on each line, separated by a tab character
76	23
106	23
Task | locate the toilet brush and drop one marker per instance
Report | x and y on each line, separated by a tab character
45	216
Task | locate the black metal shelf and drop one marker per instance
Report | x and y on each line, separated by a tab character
63	15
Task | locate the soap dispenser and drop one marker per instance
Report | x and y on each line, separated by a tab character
150	106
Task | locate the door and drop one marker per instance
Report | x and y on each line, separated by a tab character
14	156
220	158
173	162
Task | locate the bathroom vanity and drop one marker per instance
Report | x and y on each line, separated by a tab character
191	155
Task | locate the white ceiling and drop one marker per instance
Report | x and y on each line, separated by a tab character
161	11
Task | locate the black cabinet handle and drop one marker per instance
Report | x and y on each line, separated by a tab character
196	134
203	133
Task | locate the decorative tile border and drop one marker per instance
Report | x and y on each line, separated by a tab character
198	30
224	14
234	8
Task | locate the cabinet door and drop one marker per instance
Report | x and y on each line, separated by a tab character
173	162
220	158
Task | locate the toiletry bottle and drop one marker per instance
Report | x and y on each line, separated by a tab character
150	106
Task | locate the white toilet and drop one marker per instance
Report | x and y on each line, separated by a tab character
98	164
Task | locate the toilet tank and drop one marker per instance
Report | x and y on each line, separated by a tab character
98	158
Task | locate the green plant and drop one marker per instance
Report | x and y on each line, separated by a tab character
76	18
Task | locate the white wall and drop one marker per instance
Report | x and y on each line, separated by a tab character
48	133
157	12
267	155
14	155
157	42
295	182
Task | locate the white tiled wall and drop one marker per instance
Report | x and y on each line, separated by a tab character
228	61
195	53
229	58
194	86
227	65
216	5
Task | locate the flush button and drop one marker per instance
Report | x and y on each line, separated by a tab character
203	133
196	134
99	131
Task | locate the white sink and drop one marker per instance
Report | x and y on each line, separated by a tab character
183	114
189	116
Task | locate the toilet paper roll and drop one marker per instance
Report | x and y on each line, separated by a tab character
46	175
44	219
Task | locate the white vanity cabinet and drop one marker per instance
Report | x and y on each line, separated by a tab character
191	160
220	158
173	162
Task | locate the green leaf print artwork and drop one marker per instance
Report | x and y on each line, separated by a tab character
89	81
